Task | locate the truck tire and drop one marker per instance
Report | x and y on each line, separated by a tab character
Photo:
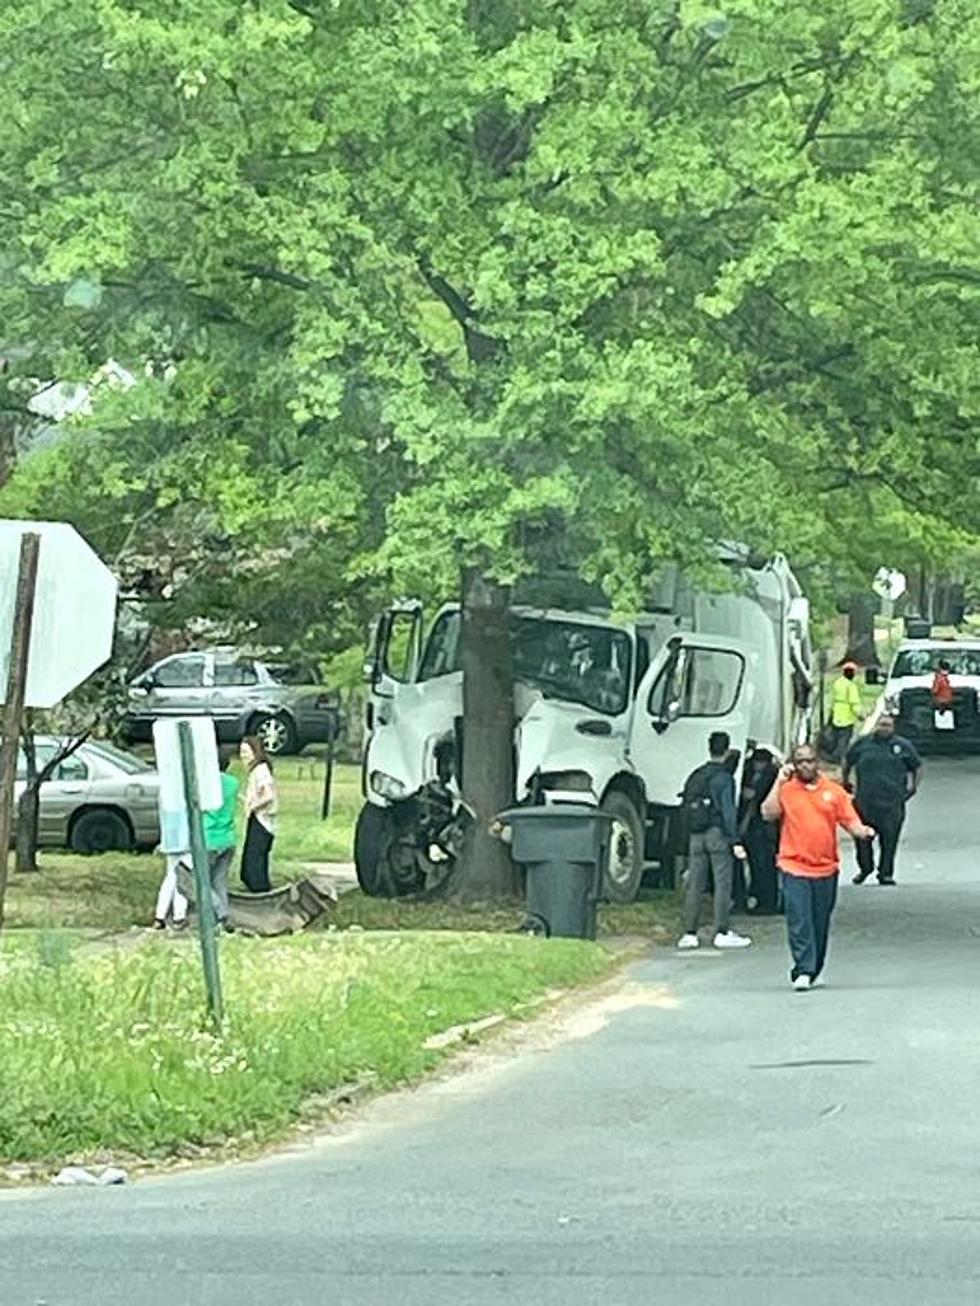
385	854
624	869
372	839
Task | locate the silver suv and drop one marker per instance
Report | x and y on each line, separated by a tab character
243	696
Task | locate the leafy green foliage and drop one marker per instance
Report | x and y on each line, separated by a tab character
409	288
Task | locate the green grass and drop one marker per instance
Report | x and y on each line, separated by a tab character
117	891
104	1053
655	915
303	836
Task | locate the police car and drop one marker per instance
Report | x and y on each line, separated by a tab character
908	694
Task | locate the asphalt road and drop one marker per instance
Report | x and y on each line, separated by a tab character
708	1136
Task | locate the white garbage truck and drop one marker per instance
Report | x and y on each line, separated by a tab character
614	712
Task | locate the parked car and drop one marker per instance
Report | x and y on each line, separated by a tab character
242	695
908	694
100	799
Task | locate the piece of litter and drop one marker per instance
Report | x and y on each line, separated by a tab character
74	1176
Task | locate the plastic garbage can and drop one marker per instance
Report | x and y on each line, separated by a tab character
918	627
563	848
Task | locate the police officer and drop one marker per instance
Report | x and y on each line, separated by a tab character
887	770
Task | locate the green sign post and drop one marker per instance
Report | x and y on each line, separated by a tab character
206	922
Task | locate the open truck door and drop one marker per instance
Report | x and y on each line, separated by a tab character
396	646
696	684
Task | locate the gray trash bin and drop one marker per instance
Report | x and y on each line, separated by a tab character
563	848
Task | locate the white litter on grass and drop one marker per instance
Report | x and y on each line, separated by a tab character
76	1176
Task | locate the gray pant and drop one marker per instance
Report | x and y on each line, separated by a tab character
219	863
710	850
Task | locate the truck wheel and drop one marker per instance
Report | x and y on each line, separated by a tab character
372	840
624	869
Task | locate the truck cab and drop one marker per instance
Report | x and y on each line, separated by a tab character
616	713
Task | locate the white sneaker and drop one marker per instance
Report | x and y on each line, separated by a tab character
688	941
731	940
803	984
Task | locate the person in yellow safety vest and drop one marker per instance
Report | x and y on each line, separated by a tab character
846	710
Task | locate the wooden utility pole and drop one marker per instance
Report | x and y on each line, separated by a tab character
14	694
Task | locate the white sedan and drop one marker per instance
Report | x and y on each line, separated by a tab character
100	799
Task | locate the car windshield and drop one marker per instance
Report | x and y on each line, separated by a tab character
924	661
563	659
128	763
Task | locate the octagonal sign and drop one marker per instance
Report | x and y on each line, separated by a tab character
74	610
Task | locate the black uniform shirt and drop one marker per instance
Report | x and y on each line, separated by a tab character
882	768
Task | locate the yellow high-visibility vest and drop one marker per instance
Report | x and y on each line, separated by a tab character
845	699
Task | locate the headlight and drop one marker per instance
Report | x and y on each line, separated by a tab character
386	786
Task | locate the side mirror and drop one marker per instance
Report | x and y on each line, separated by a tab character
873	676
372	672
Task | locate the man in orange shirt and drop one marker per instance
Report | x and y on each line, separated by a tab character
811	808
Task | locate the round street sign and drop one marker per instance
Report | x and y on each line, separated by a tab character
74	610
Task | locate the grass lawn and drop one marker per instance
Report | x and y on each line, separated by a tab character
117	891
104	1053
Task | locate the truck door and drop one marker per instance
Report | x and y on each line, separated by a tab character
695	685
395	648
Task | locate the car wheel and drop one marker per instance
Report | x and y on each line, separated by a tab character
101	831
277	733
624	868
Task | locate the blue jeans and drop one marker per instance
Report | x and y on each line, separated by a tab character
809	904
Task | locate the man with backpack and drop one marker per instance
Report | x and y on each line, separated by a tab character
710	814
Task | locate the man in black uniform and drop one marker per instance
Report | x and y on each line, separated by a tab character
888	770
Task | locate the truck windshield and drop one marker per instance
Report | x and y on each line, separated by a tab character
563	659
923	661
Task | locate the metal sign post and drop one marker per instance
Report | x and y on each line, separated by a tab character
14	694
202	875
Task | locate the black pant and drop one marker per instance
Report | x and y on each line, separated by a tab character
809	901
255	857
761	838
842	742
887	818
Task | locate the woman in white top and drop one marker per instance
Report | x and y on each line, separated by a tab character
261	806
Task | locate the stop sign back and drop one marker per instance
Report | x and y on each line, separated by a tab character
74	610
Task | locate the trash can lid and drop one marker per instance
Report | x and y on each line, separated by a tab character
562	811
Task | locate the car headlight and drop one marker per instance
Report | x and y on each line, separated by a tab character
386	786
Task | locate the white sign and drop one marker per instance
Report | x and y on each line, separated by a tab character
174	836
74	610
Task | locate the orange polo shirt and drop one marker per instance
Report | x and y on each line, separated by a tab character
808	835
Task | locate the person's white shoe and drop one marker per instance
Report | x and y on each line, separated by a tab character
687	942
803	984
731	940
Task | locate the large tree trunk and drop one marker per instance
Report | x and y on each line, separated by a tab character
485	869
861	613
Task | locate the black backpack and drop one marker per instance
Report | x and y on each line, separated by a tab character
697	804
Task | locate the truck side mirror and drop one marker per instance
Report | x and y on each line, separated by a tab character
872	676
